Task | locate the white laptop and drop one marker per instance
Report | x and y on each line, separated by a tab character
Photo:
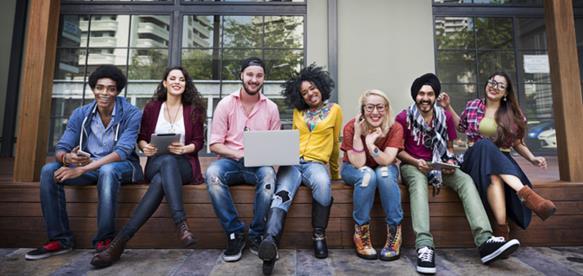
271	148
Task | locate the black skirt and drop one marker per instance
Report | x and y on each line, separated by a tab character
484	159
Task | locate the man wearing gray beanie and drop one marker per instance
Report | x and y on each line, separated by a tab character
428	158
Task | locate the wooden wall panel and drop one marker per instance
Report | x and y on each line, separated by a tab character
36	87
566	87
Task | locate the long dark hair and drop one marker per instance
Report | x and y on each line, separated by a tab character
314	74
509	117
191	96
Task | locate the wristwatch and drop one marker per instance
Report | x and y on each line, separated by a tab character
375	152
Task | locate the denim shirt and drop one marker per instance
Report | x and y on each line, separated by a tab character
125	124
101	139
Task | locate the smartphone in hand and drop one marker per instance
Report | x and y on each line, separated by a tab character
82	153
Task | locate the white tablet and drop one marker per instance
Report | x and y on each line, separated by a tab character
442	165
163	140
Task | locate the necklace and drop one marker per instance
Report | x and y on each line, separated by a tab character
170	119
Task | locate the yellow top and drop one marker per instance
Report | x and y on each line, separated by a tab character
322	143
488	128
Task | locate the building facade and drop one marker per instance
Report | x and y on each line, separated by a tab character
364	44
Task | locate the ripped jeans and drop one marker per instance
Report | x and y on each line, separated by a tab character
226	172
289	178
366	181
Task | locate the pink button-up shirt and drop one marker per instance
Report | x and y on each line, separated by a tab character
230	120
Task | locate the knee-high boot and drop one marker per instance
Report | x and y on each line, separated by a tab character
320	216
273	230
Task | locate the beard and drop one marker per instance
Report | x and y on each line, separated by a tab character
252	92
419	103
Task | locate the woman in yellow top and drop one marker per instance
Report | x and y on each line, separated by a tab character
319	123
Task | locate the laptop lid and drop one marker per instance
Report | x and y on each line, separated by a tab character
271	148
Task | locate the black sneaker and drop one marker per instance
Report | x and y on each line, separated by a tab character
48	249
496	248
426	260
253	244
235	246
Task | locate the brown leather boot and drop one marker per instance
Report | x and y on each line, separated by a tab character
542	207
110	255
501	230
362	243
184	234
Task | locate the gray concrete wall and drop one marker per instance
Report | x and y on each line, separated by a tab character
383	45
317	32
7	10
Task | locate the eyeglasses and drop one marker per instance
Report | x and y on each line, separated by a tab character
496	85
371	107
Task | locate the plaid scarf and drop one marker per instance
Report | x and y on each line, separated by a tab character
434	138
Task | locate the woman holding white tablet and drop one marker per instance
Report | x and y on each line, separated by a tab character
176	107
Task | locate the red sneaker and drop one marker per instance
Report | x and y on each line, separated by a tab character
102	245
48	249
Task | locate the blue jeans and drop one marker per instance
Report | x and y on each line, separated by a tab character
52	194
383	177
167	174
226	172
289	178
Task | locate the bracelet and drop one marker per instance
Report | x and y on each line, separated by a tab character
357	151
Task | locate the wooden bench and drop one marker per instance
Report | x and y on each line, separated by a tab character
21	221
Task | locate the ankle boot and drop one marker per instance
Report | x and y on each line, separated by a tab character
392	249
501	230
110	255
273	230
184	235
542	207
362	243
320	216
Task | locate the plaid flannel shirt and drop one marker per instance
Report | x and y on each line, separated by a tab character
470	122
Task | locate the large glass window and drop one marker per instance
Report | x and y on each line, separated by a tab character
209	45
470	48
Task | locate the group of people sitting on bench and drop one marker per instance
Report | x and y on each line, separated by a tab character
98	147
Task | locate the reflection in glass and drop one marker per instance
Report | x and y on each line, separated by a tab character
459	96
70	35
284	32
531	33
243	31
492	61
494	33
147	64
150	31
280	64
70	64
201	31
540	136
454	32
105	30
200	64
102	56
456	66
232	60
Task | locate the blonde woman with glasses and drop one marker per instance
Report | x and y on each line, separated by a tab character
371	143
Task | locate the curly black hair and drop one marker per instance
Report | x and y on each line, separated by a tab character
191	96
314	74
110	72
